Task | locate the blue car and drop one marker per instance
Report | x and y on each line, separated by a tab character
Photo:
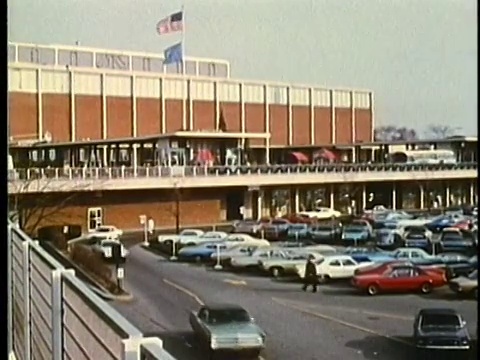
442	222
376	255
298	231
200	252
355	234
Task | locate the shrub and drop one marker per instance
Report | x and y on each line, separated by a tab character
93	263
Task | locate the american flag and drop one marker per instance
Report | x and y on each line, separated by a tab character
171	23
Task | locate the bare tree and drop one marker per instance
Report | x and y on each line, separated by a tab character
32	202
441	131
394	133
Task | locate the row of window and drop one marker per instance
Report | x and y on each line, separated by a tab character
115	62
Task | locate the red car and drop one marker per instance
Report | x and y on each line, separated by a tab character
464	225
399	278
382	267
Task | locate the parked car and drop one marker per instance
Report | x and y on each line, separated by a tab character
417	256
418	237
185	237
440	329
283	266
248	226
400	279
106	232
441	222
465	285
453	239
354	234
298	231
333	267
277	229
325	232
201	252
368	254
244	239
227	327
387	235
321	213
226	254
251	261
104	247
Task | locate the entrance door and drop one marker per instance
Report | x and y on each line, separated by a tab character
234	202
94	218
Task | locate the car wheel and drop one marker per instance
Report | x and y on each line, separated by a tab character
276	272
426	288
198	259
372	289
323	279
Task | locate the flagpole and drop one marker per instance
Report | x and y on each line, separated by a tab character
183	39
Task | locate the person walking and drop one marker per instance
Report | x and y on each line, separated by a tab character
310	278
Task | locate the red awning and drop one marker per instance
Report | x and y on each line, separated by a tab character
325	154
300	157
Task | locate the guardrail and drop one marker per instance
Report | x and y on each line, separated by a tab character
53	315
199	171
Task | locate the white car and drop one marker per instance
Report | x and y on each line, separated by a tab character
251	261
184	237
333	267
106	232
323	213
246	240
287	265
234	251
104	247
209	236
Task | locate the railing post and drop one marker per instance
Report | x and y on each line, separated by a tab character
131	348
9	291
96	173
122	171
26	298
70	175
57	312
109	172
56	174
84	173
28	174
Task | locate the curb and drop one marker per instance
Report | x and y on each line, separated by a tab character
109	296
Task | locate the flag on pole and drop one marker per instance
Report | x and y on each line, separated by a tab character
171	23
173	54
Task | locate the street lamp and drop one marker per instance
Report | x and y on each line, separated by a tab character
218	266
177	207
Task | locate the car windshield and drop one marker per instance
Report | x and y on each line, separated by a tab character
228	316
278	222
452	237
189	233
440	320
298	227
355	229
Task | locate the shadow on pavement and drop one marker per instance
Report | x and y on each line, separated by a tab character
448	296
183	345
377	347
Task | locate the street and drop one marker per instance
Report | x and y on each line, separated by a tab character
335	323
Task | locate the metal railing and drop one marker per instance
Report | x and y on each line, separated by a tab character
200	171
53	315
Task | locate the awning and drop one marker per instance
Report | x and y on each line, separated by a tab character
325	154
300	157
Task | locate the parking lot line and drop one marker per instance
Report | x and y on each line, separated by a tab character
347	309
235	282
185	291
339	321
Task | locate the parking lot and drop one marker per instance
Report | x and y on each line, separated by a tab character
335	323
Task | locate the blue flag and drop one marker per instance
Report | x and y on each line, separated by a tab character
173	54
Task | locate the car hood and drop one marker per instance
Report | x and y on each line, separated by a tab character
464	281
235	329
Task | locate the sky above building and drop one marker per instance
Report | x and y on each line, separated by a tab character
419	57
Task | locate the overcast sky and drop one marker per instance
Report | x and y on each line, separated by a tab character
418	56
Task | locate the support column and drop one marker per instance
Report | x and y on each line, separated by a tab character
296	200
135	158
247	205
260	204
422	197
472	193
447	196
332	196
394	196
364	197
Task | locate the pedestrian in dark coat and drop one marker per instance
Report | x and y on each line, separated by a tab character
310	278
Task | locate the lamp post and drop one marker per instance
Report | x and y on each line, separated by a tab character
177	220
218	266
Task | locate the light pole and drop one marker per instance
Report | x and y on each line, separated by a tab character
218	266
177	208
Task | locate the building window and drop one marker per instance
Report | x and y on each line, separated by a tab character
94	218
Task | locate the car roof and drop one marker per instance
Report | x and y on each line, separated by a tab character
438	311
223	306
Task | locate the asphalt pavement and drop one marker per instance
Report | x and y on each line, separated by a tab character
335	323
